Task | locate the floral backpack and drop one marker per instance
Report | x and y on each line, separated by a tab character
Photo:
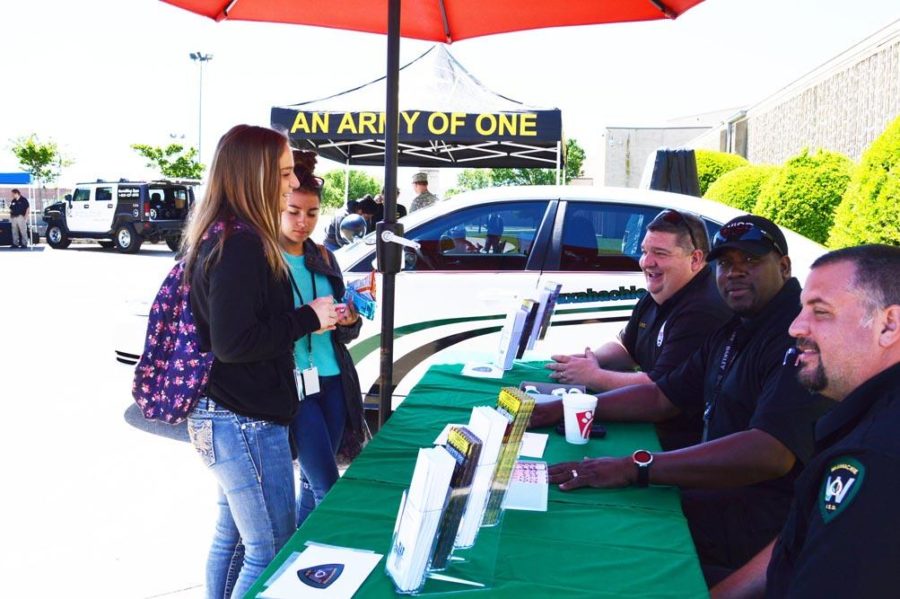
172	373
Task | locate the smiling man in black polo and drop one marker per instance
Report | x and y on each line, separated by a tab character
681	309
758	421
840	538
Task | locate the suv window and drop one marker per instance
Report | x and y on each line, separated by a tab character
103	194
603	237
495	237
81	195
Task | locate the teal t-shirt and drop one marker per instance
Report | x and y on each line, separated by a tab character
323	356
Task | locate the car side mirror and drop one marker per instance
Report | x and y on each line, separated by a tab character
69	199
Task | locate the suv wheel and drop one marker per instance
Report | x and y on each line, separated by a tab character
174	242
127	240
57	238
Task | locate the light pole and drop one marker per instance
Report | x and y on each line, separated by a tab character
200	57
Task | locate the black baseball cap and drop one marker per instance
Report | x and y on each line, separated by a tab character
750	234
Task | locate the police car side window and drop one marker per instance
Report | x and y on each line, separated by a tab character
493	237
603	237
103	194
81	195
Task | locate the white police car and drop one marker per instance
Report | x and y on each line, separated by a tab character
481	250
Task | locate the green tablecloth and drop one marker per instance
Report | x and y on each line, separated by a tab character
590	542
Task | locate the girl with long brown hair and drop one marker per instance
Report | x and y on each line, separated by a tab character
242	303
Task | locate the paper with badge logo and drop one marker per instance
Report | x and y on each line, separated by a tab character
322	571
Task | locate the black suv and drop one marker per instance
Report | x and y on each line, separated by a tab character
121	214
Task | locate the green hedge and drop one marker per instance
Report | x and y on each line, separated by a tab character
869	210
740	188
712	165
803	195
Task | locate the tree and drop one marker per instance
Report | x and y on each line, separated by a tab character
741	187
471	178
804	193
868	211
173	161
360	185
480	178
43	161
711	165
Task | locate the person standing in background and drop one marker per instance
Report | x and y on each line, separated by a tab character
423	196
18	216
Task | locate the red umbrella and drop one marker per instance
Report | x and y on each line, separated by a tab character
435	20
440	20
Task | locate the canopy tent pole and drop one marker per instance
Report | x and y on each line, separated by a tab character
558	160
347	180
388	257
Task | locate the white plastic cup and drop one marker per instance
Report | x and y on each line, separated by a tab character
578	414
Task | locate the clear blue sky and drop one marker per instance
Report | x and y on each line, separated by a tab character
99	75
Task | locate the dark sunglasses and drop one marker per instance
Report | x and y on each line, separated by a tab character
745	232
675	218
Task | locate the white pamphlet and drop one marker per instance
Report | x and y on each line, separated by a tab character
322	571
418	517
489	425
528	487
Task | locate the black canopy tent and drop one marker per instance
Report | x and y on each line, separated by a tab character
447	119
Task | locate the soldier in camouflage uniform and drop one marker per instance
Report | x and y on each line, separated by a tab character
423	196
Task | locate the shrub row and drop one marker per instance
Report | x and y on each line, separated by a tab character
821	195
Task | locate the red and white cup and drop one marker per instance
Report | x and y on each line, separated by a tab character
578	414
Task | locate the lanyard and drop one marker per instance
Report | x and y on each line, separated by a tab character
724	364
300	295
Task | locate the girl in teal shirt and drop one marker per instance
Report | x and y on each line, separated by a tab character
331	401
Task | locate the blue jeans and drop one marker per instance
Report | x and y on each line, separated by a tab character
317	430
251	460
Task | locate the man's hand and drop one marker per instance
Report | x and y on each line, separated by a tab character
546	414
605	473
577	370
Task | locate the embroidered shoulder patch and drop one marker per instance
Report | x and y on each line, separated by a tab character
843	478
320	577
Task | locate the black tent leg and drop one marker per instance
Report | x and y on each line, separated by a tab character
392	117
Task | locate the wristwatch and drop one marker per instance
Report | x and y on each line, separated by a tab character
642	460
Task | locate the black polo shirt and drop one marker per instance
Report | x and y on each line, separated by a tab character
660	337
756	391
840	539
18	207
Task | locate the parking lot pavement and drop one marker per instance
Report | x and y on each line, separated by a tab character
95	501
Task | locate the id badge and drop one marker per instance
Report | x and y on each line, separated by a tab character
298	381
309	381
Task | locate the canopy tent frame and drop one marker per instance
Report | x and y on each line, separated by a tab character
438	86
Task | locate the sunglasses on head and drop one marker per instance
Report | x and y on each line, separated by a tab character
745	232
675	218
308	180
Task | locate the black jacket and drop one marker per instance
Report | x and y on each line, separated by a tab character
246	317
316	262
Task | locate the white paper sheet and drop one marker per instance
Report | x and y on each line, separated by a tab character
533	445
358	564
